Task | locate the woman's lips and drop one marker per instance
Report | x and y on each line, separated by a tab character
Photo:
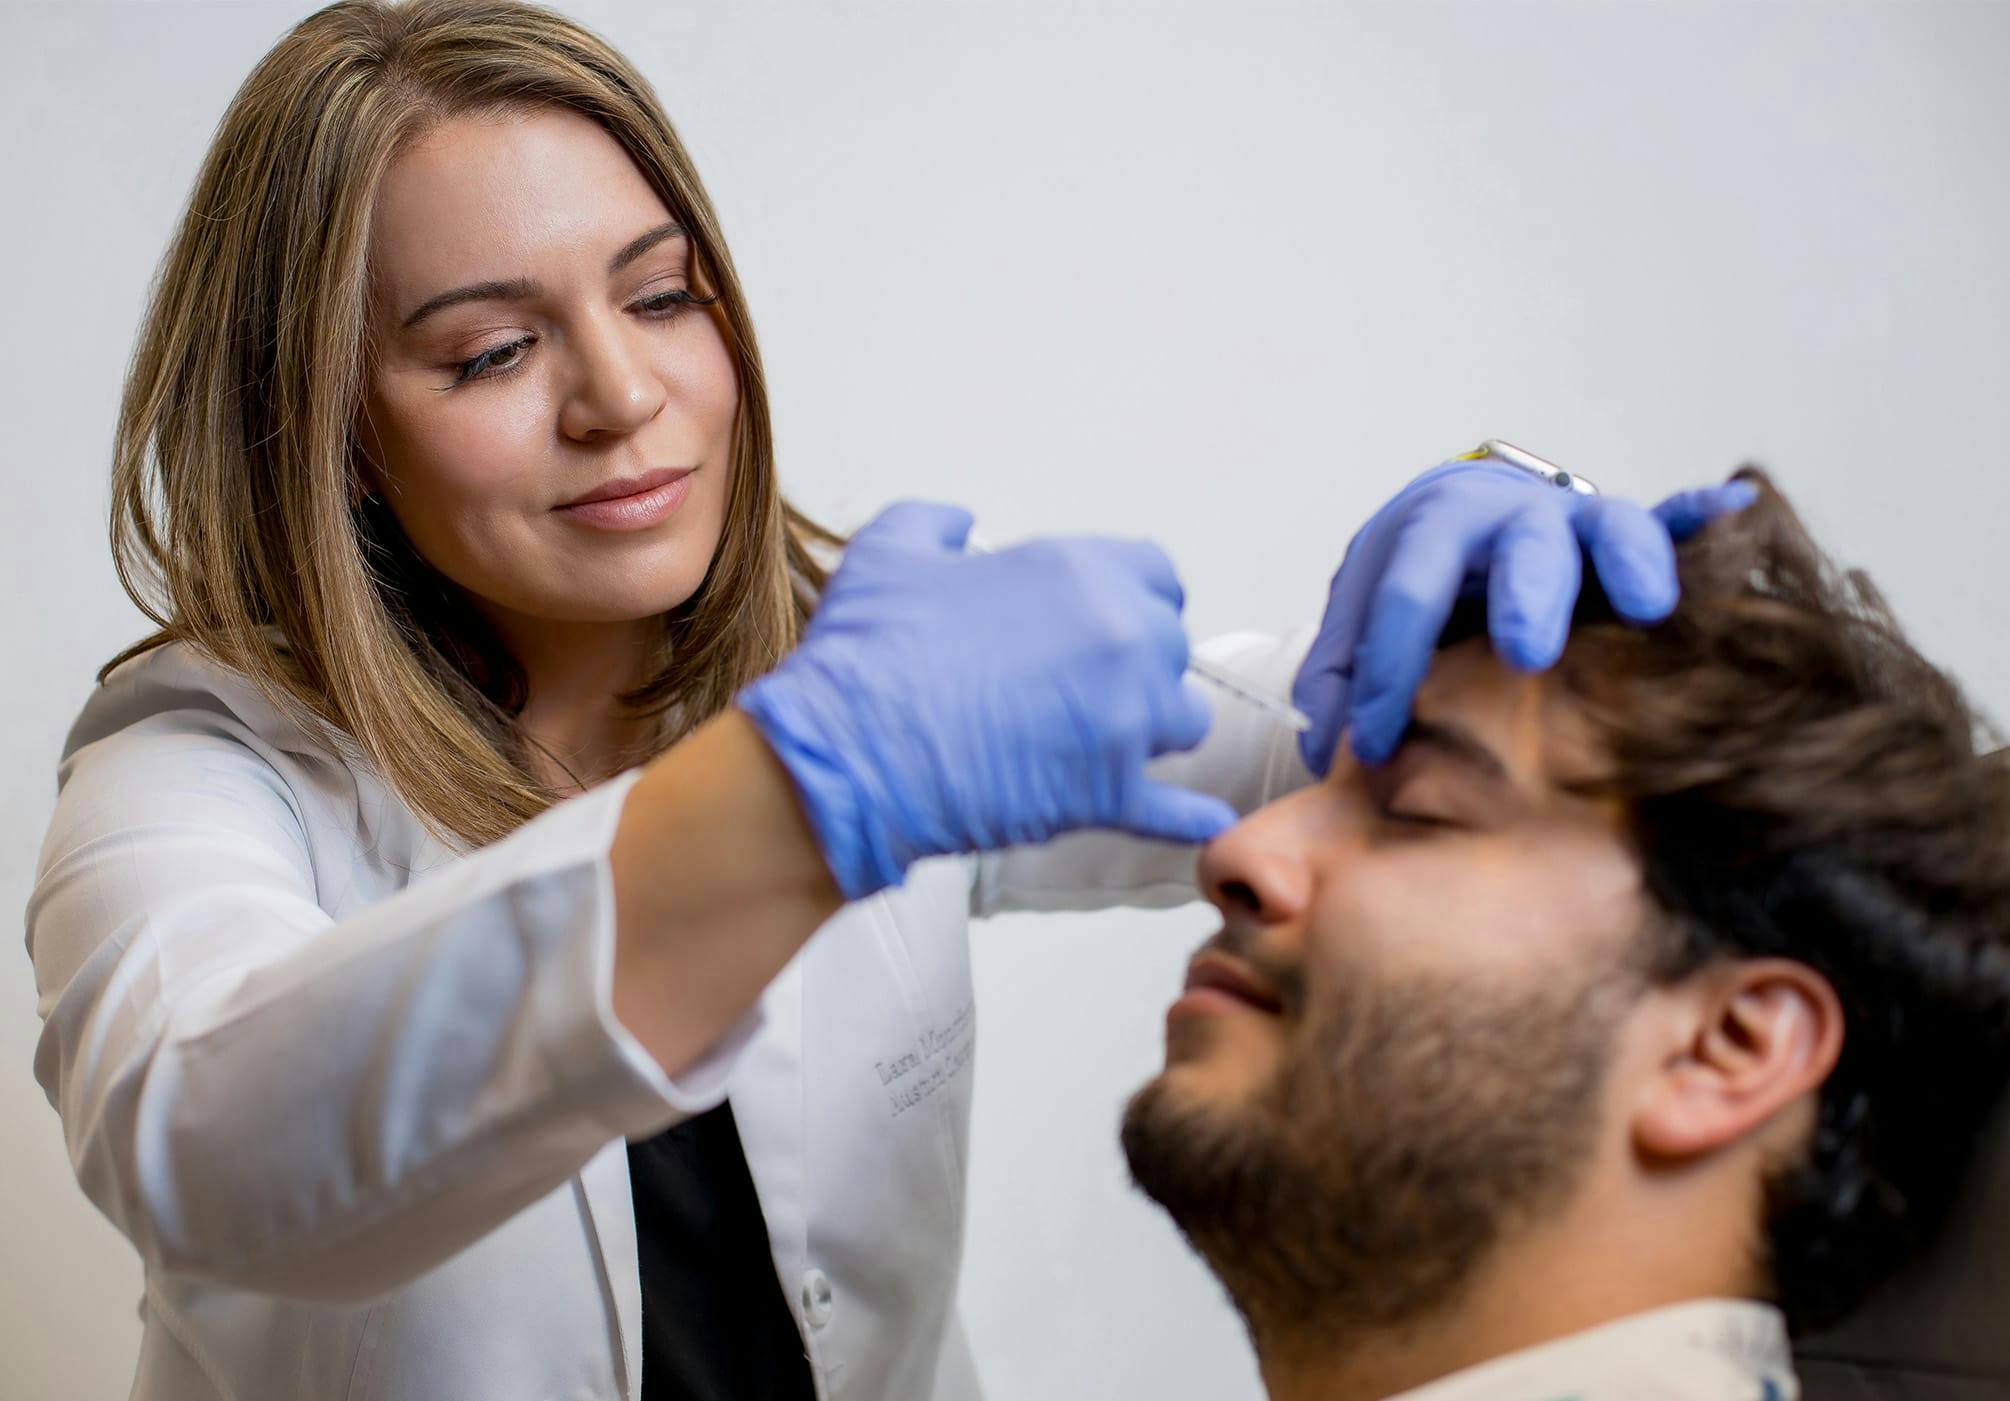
655	498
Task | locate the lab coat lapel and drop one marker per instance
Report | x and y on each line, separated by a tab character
608	1202
767	1097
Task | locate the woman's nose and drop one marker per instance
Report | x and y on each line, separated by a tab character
1261	868
617	387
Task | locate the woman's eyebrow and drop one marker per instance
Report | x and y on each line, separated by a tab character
510	289
517	289
642	243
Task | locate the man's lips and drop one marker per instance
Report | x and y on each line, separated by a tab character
1223	973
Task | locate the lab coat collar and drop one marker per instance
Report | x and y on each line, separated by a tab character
1702	1350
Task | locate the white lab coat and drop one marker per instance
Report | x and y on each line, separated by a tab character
359	1100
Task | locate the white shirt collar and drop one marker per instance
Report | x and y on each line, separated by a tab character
1703	1350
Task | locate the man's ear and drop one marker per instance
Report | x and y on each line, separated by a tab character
1759	1034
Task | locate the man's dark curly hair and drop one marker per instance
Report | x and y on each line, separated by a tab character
1802	784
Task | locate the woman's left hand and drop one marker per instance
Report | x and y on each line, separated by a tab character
1496	529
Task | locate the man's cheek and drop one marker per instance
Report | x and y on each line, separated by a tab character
1427	918
1404	917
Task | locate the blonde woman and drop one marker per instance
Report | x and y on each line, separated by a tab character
507	781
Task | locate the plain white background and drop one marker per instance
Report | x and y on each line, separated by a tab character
1220	274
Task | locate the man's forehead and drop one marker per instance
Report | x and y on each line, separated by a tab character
1529	722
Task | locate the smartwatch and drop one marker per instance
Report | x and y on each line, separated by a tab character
1494	450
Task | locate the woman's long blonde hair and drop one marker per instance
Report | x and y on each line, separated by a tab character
234	518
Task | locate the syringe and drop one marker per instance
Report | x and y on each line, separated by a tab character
1282	711
1220	677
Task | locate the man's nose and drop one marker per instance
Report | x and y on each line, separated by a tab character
616	386
1261	868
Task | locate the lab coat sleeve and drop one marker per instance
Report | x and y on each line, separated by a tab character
1247	759
273	1100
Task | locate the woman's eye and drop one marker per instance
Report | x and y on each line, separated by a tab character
494	361
501	359
669	303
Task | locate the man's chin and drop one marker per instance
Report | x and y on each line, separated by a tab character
1245	1046
1181	1129
1183	1089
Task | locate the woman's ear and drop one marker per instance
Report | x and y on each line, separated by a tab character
1763	1033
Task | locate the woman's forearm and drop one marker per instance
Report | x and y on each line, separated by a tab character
718	881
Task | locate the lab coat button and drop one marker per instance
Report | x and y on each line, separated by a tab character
816	1298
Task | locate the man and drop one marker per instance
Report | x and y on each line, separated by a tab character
1633	1016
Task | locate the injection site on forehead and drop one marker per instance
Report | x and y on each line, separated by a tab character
1489	721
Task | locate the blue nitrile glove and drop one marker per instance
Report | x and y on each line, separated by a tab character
1466	527
942	702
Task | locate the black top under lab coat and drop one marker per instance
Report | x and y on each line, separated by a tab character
715	1323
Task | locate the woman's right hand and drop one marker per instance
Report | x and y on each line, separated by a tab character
945	702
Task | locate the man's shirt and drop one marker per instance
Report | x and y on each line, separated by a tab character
1706	1350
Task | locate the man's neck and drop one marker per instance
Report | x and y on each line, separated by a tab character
1545	1283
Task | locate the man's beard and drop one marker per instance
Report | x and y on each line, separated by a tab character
1357	1192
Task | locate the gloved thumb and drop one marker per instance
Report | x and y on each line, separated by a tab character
918	525
1170	814
1321	692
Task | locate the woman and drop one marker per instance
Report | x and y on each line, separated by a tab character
417	891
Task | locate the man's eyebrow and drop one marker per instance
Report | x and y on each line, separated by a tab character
1458	743
517	289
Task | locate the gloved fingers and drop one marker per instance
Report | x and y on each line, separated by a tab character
1635	560
1182	721
1321	694
1148	620
1687	512
918	525
1532	586
1332	683
1405	616
1166	813
1150	565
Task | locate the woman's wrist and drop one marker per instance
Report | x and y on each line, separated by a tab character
794	709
